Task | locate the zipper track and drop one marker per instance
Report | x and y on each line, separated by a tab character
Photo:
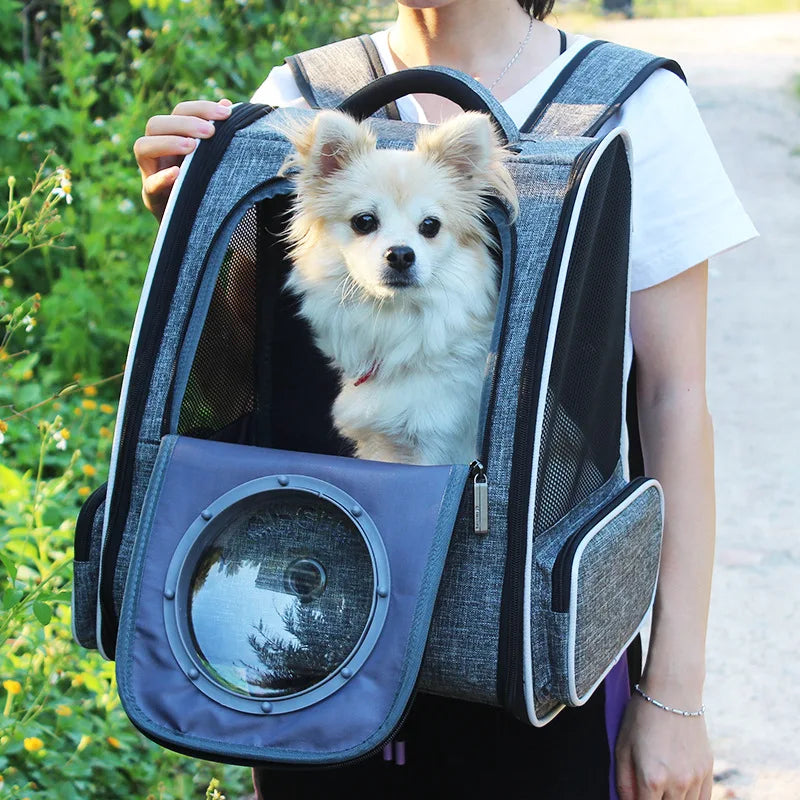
562	567
487	424
509	658
201	170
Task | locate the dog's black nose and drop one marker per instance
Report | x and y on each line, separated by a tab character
400	257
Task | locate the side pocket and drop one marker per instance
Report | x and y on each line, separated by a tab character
86	568
596	583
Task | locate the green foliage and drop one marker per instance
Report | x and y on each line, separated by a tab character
77	84
82	79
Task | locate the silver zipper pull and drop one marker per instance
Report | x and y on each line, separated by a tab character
480	489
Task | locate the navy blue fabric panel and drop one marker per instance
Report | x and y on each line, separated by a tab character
412	507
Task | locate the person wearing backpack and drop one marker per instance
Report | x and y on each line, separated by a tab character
684	212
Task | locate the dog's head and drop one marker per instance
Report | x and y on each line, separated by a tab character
392	222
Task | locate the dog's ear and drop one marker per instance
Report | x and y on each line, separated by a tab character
330	142
465	143
468	145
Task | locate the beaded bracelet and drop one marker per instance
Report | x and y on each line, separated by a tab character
667	708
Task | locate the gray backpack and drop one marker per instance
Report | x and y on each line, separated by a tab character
269	599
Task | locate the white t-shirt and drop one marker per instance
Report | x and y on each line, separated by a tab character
684	208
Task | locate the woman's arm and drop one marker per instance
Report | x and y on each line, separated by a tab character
660	754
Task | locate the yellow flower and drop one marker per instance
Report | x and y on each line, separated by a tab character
78	411
3	426
115	743
88	470
105	433
8	282
78	680
77	376
90	391
64	433
27	375
107	409
89	405
33	743
56	406
84	742
4	354
12	687
84	491
63	711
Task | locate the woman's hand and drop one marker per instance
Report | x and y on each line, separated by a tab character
167	139
662	756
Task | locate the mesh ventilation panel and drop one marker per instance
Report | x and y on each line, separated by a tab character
221	386
582	416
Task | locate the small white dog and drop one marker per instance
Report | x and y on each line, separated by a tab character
393	265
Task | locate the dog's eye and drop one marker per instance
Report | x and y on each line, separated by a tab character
364	223
429	227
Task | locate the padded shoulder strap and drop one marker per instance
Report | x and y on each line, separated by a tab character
328	75
592	87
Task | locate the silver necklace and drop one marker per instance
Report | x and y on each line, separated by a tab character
515	56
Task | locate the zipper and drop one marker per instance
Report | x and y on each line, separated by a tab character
480	497
509	658
201	169
85	523
487	426
480	482
562	568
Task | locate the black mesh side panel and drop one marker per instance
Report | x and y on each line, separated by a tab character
582	415
221	389
257	377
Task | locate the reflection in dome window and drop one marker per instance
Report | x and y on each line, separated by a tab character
281	597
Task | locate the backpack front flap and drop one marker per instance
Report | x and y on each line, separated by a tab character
278	603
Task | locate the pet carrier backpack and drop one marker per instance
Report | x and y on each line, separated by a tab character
270	600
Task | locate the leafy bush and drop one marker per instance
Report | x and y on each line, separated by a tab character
77	84
82	80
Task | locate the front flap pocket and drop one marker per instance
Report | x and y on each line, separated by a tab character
595	581
278	602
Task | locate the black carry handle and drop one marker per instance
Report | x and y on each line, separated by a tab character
461	89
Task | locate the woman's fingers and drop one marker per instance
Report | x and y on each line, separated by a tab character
156	189
154	153
167	139
205	109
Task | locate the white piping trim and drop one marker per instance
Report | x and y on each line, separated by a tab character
527	665
573	592
137	326
627	358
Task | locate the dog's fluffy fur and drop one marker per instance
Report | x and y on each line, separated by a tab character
422	334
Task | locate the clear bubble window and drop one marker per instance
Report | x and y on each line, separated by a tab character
275	592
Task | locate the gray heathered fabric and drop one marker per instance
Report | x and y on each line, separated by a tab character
146	453
549	628
595	84
617	574
336	71
84	587
616	578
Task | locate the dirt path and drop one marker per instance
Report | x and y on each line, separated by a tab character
742	72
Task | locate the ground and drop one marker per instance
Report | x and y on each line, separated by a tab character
743	73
